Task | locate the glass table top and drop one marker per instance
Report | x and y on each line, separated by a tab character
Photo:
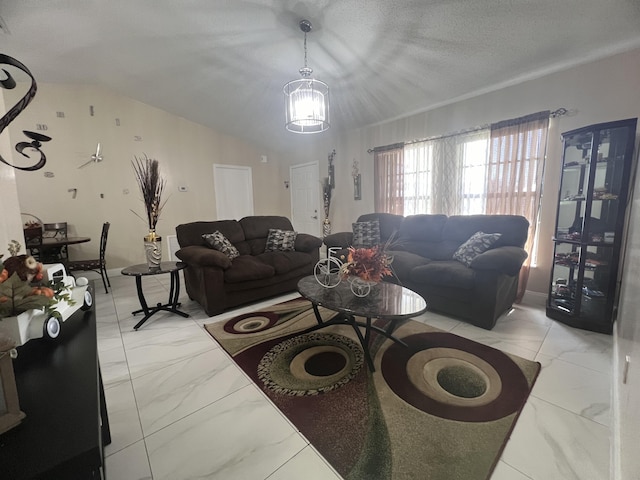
385	301
143	268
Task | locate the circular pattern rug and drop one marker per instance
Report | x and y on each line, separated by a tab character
310	364
454	378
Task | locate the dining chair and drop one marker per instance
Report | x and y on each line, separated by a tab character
95	265
55	254
33	240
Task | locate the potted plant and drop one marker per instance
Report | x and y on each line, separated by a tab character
152	184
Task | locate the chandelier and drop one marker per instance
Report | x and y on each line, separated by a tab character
306	101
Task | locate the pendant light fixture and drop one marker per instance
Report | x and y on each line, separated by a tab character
306	101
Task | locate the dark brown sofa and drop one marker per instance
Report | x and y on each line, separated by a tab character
217	283
423	247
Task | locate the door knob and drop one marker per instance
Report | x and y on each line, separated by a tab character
315	217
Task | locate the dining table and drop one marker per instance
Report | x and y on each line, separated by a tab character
42	244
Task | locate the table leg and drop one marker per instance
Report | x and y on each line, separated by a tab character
344	319
141	299
171	306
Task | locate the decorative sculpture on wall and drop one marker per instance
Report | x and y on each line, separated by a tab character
355	173
327	186
9	83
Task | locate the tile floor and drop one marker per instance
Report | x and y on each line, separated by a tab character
179	408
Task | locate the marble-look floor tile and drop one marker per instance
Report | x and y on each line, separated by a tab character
438	320
241	436
507	472
108	335
578	389
509	330
159	351
123	417
113	366
508	344
306	464
130	463
550	442
178	390
587	349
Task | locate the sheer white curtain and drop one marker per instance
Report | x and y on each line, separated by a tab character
446	175
514	179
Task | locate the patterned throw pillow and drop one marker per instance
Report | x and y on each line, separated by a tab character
366	234
478	243
281	240
221	243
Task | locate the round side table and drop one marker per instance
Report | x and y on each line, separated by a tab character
143	270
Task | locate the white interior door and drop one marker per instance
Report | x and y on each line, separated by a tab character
233	186
306	213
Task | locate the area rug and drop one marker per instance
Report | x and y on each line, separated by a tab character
440	409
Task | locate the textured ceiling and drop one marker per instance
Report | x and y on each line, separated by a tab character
223	63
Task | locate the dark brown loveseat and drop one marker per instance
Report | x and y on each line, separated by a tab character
423	248
217	283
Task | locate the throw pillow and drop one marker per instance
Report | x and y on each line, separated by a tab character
478	243
221	243
366	234
281	240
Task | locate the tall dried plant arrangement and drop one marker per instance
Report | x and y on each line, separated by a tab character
151	183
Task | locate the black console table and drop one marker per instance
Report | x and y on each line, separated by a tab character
60	390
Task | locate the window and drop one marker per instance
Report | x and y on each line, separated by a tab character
446	175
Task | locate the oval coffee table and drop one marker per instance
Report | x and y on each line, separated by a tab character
386	301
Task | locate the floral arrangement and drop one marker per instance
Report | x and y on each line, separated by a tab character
17	294
152	186
369	264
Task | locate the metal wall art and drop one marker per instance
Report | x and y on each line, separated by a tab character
9	83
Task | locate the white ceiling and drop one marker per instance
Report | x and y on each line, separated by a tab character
223	63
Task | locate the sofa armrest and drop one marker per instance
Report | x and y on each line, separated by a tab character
199	255
307	243
502	259
340	239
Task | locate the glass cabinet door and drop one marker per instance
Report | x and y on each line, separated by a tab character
596	168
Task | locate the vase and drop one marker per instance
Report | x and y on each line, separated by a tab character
359	287
153	249
326	227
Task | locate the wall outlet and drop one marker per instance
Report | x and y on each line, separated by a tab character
183	188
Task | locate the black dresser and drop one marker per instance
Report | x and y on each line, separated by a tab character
60	390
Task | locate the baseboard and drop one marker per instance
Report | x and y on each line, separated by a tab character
535	299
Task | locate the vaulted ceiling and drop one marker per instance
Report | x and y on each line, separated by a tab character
223	63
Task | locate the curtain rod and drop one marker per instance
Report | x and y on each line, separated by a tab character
554	114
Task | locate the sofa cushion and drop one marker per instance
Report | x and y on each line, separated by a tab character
280	240
422	228
403	262
389	223
444	273
191	233
218	241
284	262
478	243
247	267
366	234
514	228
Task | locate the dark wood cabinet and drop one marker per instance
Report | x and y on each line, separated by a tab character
60	390
594	188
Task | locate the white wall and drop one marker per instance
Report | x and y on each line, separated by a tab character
186	152
10	223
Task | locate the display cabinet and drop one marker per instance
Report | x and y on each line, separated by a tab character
594	187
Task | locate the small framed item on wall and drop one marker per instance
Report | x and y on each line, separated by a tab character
357	192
